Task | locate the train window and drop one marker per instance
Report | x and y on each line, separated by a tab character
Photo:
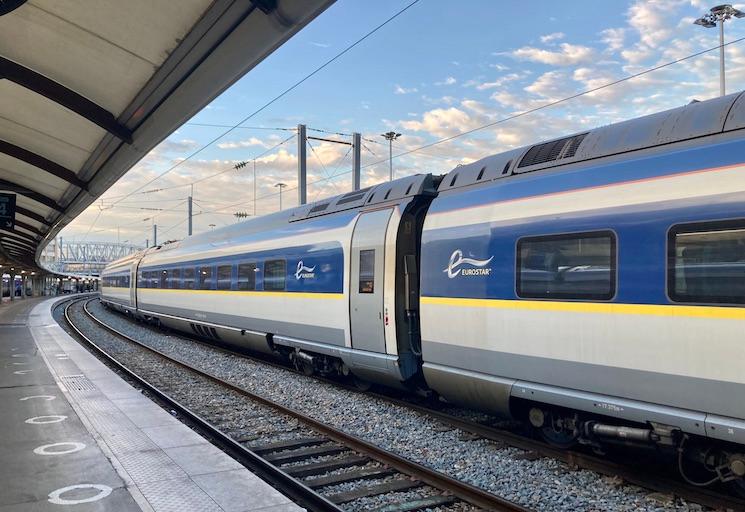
275	272
142	280
706	262
224	275
247	276
154	279
188	278
163	279
367	271
205	278
571	266
174	278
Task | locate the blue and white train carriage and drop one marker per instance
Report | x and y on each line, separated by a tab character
593	285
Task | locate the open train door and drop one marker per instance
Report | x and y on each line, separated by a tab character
367	278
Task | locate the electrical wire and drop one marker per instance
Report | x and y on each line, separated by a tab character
557	102
279	96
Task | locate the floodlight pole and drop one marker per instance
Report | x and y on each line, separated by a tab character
717	16
721	56
281	186
390	137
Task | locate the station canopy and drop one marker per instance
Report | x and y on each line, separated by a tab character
88	88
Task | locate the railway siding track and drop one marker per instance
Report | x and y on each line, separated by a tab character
319	466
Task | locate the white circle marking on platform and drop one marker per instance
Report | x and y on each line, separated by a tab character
48	449
21	372
56	498
43	420
45	397
21	363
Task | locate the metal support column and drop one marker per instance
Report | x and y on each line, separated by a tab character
302	178
190	215
155	235
356	156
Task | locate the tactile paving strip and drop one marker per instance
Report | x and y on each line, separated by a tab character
78	383
178	495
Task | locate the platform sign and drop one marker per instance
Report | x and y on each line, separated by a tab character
7	211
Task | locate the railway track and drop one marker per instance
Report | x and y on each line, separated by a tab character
318	466
635	474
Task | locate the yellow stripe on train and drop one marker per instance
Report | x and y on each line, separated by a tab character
722	312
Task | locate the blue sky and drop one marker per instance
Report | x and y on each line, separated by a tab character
439	69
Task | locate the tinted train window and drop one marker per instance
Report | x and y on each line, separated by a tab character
274	274
163	277
188	278
367	271
575	266
174	278
706	262
142	280
247	276
205	278
224	274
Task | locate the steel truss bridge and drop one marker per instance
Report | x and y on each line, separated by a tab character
84	258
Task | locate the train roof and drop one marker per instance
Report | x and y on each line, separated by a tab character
693	121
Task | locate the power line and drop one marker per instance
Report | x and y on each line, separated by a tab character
279	96
556	102
211	125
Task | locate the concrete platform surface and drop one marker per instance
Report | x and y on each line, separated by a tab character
78	437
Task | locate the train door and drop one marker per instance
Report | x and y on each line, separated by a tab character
133	285
366	283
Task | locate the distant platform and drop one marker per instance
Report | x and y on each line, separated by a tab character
75	433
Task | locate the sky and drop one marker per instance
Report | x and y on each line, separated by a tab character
438	70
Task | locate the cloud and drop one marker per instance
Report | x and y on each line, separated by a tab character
448	81
320	45
500	81
613	38
552	37
248	143
568	55
404	90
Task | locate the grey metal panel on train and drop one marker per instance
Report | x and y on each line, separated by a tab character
388	192
630	410
327	334
479	390
726	429
675	390
692	121
376	367
493	167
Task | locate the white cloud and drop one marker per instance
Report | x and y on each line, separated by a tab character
568	55
250	142
404	90
511	77
552	37
613	38
442	122
320	45
448	81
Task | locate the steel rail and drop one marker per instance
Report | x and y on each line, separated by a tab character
632	475
464	491
283	482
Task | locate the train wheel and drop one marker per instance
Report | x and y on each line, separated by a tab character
554	428
361	384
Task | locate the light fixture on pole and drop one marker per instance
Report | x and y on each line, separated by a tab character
717	16
390	137
281	186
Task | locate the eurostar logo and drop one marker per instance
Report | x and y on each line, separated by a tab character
476	267
304	272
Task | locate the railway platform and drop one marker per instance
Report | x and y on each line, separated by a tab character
75	433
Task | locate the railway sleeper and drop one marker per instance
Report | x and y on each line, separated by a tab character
373	490
349	476
319	468
419	504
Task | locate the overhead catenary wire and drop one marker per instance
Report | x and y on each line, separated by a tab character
555	102
280	95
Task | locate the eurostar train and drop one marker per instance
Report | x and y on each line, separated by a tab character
592	285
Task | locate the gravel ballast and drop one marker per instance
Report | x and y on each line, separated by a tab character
543	484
